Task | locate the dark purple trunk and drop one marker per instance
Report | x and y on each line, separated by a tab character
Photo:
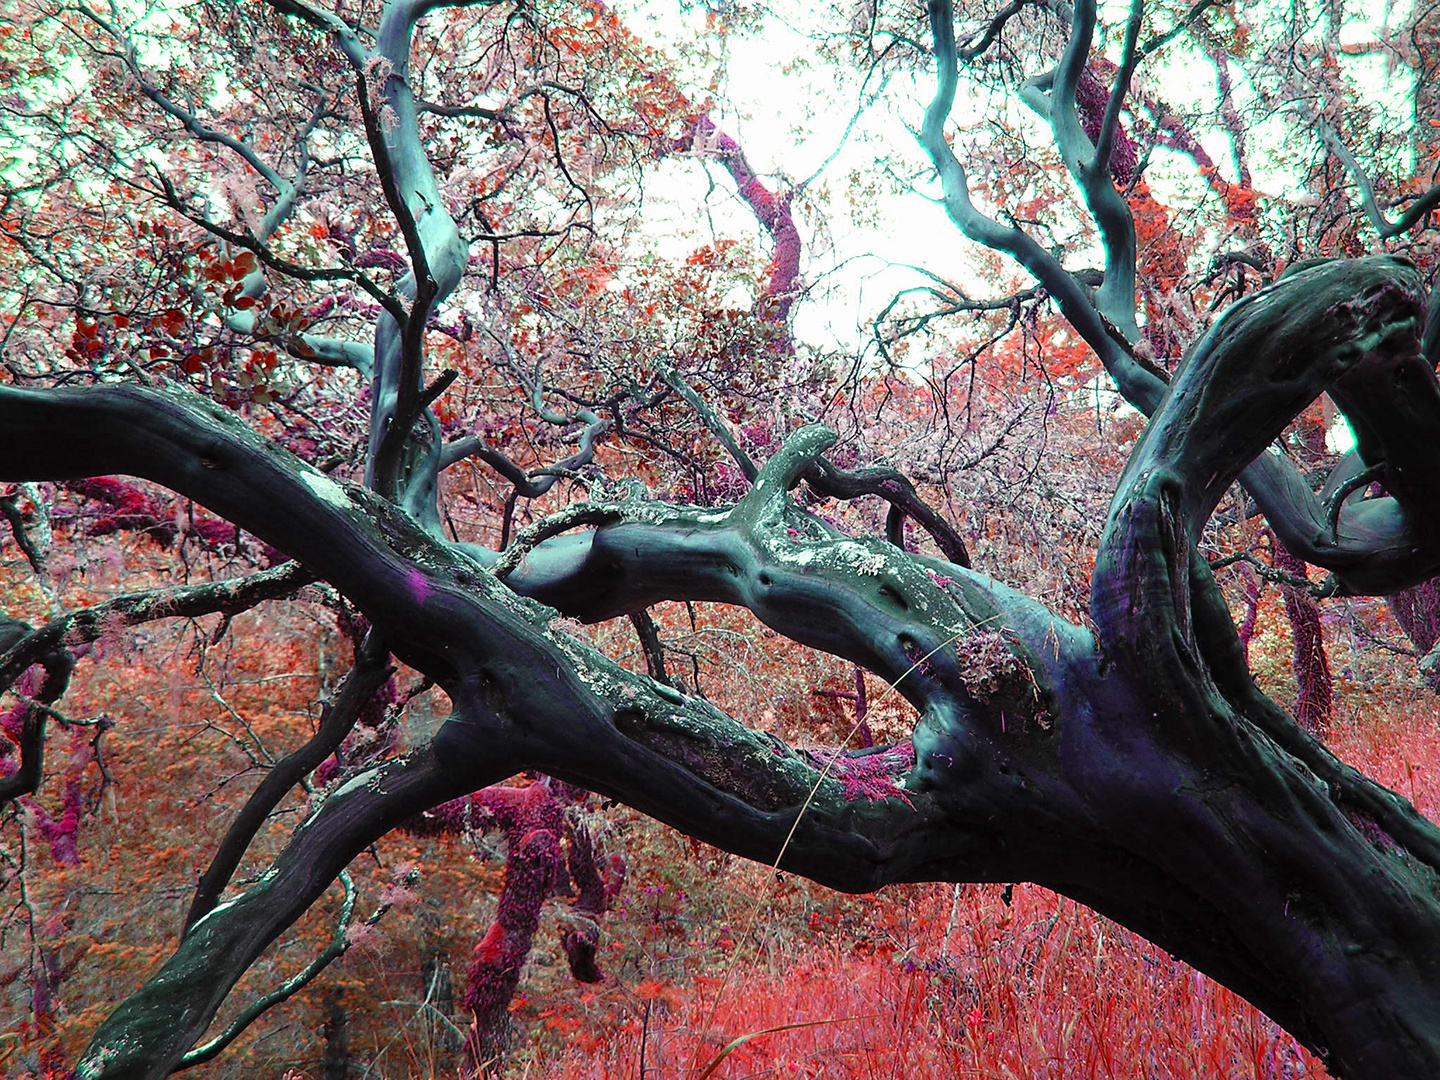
1314	698
1417	610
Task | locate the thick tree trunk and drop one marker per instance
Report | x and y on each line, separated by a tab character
1323	883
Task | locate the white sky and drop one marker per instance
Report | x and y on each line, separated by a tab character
788	127
789	119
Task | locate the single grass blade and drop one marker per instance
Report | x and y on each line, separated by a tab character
736	1043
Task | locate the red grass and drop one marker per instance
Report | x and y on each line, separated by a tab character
921	981
1041	989
934	982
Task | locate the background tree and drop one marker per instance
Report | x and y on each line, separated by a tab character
245	256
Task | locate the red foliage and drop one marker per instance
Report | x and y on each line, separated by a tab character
133	509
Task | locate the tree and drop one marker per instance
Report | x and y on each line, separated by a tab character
236	245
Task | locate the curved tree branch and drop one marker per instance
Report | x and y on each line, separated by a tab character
1383	544
336	721
438	256
1158	617
1413	215
147	1036
230	597
895	488
1139	385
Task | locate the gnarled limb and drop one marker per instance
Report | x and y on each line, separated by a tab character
147	1035
544	479
597	723
1391	399
1383	544
1270	838
337	719
896	489
47	646
230	596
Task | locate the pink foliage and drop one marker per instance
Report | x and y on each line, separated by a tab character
132	509
870	775
1090	100
60	832
533	820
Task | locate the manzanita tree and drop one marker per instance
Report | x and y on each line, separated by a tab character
232	212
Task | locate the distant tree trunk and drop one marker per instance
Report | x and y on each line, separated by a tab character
1314	697
335	1064
495	968
1253	585
534	821
1417	610
593	892
862	710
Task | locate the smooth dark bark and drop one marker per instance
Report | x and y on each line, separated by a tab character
1373	545
1323	883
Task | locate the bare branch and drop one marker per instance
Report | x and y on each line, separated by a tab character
337	719
230	596
1139	386
1413	215
712	420
337	947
